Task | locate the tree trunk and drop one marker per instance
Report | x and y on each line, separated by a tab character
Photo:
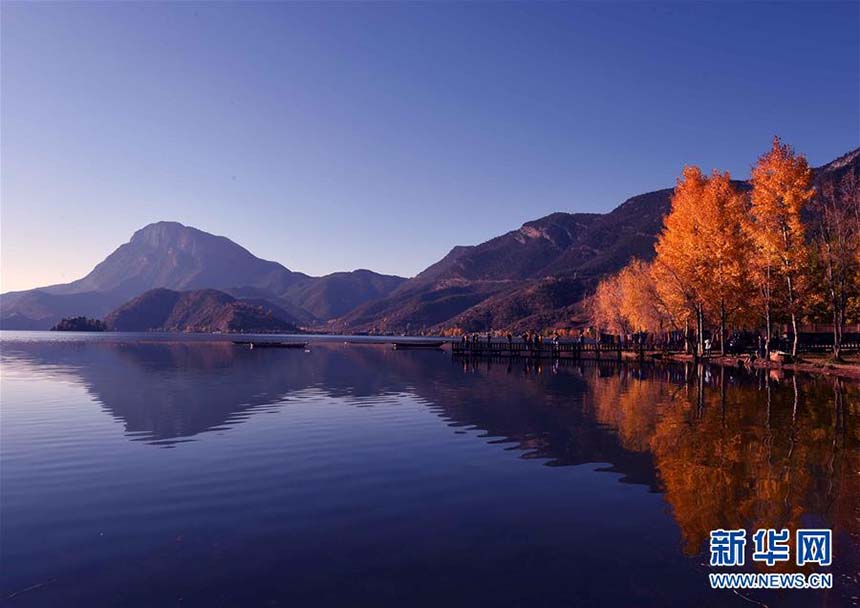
837	289
723	328
700	331
796	337
767	316
687	336
793	313
767	335
838	321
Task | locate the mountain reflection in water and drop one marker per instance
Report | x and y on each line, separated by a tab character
726	448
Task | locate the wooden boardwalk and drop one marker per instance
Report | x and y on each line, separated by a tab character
546	350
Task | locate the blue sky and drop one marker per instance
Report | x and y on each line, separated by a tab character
338	136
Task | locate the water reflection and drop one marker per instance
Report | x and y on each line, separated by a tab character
730	448
727	448
741	451
166	392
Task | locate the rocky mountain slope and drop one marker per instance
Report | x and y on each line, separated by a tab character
532	277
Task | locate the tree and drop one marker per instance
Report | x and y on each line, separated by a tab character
781	183
628	301
680	264
605	307
641	304
723	248
837	250
764	273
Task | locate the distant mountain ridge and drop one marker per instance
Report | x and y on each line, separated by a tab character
173	256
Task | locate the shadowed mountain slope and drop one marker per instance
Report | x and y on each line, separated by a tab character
204	310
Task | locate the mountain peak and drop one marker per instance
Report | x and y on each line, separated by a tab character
163	227
175	256
161	234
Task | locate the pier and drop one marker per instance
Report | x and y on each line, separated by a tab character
545	350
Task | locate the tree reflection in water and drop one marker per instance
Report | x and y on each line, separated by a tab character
739	450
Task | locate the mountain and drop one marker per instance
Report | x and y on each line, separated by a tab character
334	295
516	255
177	257
522	279
203	310
168	254
532	277
38	309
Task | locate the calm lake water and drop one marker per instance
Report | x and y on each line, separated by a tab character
163	471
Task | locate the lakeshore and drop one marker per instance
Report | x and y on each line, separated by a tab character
807	363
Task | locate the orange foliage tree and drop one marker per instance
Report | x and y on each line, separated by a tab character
605	307
782	186
641	304
680	264
722	255
724	247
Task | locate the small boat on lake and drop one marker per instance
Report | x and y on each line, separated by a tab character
269	344
416	345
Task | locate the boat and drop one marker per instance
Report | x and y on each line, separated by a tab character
424	344
269	344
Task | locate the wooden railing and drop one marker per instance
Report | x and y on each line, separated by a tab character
547	349
847	346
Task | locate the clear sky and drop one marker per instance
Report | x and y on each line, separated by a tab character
338	136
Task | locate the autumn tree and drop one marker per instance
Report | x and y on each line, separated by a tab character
781	183
724	246
837	249
641	304
679	265
605	307
764	270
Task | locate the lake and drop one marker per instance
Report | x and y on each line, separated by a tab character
153	470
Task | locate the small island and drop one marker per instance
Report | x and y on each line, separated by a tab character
79	324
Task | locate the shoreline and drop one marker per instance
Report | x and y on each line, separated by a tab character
810	364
